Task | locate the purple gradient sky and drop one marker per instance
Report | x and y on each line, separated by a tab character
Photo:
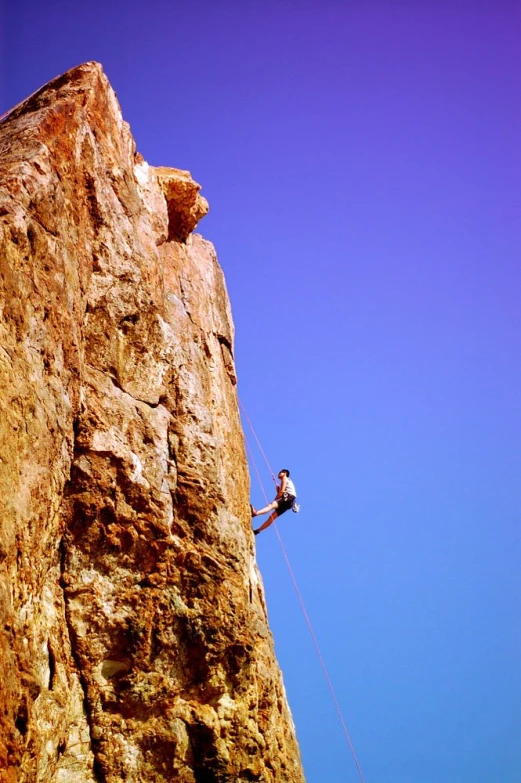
363	167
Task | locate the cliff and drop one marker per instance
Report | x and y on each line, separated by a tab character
134	639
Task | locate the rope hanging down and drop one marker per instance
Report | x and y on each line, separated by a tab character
260	449
299	596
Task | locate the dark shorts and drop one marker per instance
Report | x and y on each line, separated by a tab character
284	504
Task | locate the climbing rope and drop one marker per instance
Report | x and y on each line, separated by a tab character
299	595
260	449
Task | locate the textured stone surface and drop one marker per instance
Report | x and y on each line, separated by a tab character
133	633
185	205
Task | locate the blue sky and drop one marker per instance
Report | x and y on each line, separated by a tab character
363	168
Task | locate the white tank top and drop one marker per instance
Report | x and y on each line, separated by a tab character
290	487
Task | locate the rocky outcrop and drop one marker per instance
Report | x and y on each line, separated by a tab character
185	204
133	633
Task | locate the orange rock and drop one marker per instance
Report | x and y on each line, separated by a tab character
133	633
186	206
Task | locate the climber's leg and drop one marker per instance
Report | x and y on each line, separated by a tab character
270	520
270	507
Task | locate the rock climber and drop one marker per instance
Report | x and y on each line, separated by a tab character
283	501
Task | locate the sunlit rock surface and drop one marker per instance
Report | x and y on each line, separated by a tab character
134	642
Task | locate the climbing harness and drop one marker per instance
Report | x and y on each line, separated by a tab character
295	585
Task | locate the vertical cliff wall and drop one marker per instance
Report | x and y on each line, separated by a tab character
134	640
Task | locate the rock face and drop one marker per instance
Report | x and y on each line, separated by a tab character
134	642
